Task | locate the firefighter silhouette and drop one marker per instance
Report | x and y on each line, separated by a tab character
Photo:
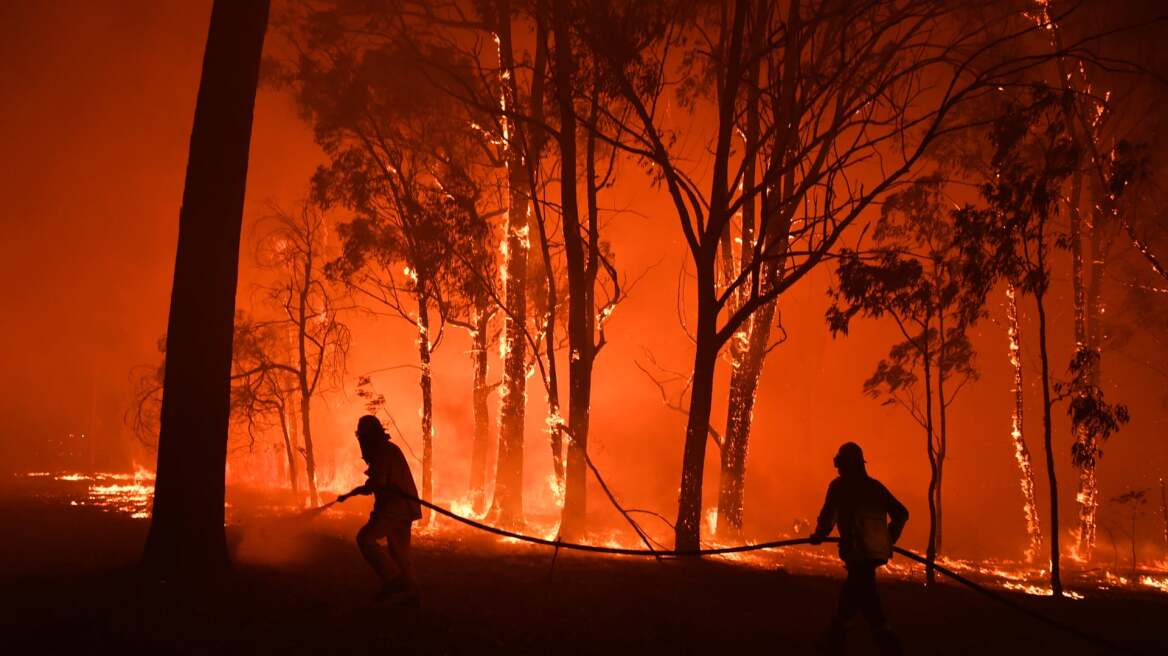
869	520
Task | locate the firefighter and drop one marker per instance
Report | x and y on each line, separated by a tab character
869	520
395	509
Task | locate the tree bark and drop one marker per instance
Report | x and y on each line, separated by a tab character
1055	580
748	346
289	452
1021	451
931	548
482	426
1086	495
581	290
689	507
425	381
186	529
507	504
306	388
942	434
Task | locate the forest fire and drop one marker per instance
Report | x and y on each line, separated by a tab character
587	327
126	493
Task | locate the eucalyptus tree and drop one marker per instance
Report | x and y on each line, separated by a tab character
186	526
854	93
926	272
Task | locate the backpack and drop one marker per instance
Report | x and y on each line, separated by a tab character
870	538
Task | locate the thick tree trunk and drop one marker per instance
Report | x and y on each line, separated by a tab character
581	292
425	381
1086	495
739	414
1021	451
1055	580
748	348
689	506
482	426
507	504
186	529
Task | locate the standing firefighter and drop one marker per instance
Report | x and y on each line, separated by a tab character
395	509
870	521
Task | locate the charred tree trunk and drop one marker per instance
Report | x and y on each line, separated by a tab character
482	426
1164	511
581	286
745	359
186	529
689	506
1039	301
1088	495
1021	451
739	413
942	434
931	548
749	347
507	504
425	381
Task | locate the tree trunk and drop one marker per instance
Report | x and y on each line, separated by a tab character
306	388
1056	584
748	346
1164	511
739	413
507	504
482	427
289	452
689	505
186	529
309	453
931	549
1086	495
425	381
581	292
1021	451
943	433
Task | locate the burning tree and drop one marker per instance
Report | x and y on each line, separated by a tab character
1034	155
186	527
412	167
263	395
845	86
305	312
926	272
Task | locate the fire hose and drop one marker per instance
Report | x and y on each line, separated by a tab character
558	544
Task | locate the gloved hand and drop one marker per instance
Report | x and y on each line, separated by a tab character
341	498
816	538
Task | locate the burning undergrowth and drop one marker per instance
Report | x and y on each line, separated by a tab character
272	527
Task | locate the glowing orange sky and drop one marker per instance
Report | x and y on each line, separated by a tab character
95	113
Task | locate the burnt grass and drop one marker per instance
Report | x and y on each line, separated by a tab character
70	585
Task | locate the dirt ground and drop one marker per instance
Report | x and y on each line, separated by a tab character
70	586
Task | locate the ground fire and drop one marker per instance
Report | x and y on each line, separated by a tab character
683	326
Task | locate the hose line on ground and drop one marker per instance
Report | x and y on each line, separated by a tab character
558	544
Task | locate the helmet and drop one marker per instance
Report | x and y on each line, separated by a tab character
369	426
849	452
